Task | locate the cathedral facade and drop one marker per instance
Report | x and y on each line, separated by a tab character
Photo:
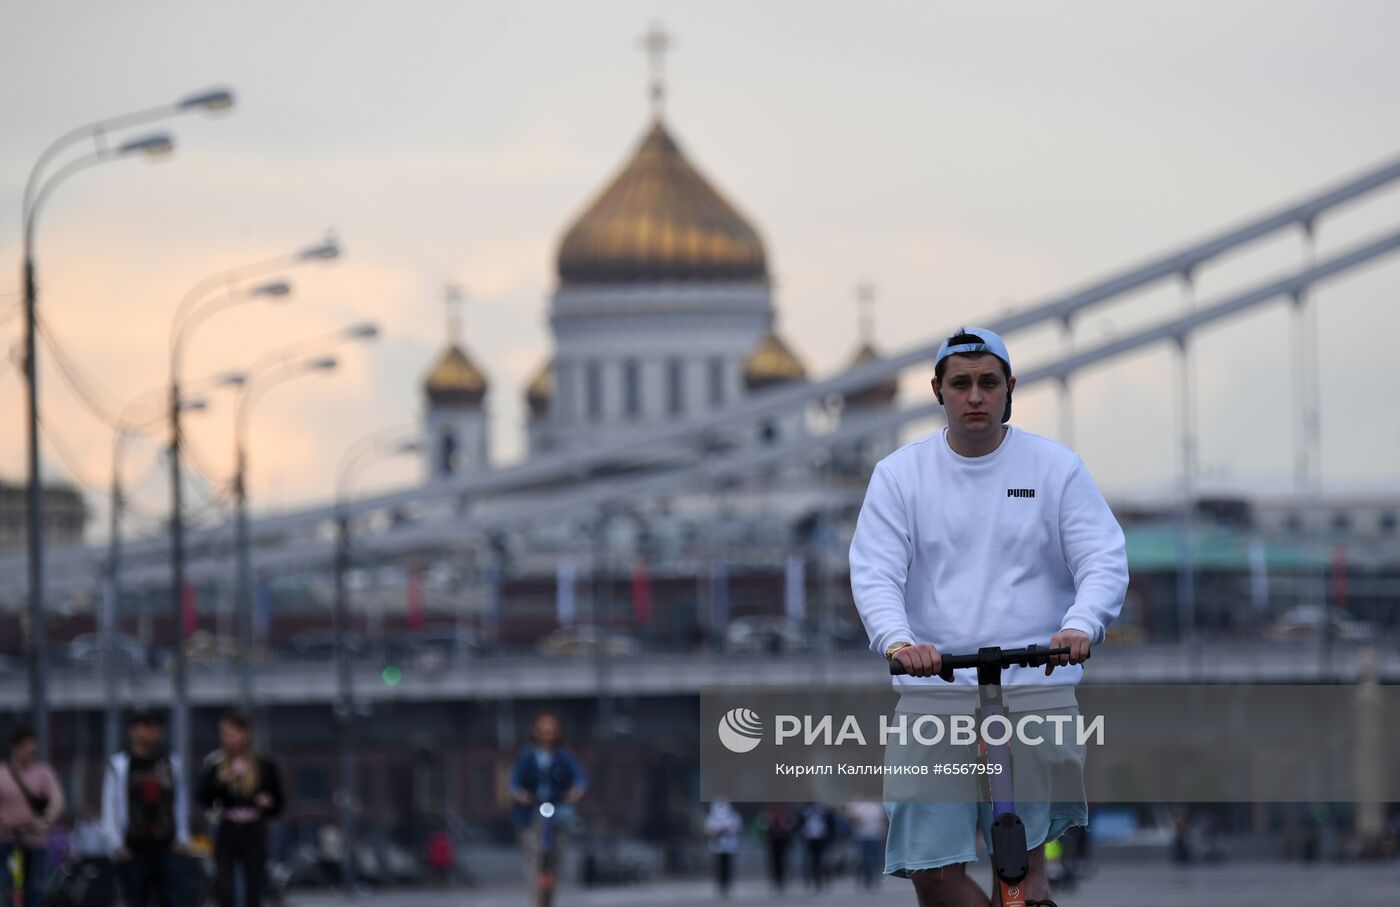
663	311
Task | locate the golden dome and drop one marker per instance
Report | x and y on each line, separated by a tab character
455	380
772	363
876	395
659	220
541	390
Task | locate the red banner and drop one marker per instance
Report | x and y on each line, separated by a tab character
189	613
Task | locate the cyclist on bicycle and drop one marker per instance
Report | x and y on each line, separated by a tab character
982	534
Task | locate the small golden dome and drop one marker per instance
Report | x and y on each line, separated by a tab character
541	390
659	220
455	380
772	363
877	395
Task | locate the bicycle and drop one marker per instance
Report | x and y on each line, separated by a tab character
1010	860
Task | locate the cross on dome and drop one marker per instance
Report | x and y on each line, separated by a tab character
865	312
656	42
453	298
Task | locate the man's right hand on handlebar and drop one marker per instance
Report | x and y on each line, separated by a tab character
920	659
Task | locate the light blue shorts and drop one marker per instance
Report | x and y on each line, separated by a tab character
930	835
935	824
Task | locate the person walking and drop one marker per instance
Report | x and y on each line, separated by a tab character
441	858
817	828
145	816
244	789
722	827
982	534
31	801
868	828
776	825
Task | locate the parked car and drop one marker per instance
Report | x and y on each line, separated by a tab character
430	645
86	651
1307	622
587	641
203	647
764	635
319	645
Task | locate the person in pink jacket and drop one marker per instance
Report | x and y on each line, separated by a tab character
31	800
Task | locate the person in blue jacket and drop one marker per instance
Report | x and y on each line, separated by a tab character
544	772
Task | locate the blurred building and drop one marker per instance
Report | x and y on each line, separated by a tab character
457	430
664	307
65	515
663	310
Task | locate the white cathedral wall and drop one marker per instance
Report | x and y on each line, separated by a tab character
649	324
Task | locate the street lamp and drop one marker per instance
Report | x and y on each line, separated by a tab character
264	378
36	191
130	425
282	363
194	309
370	449
210	101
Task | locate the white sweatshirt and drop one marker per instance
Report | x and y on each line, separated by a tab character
114	805
1000	550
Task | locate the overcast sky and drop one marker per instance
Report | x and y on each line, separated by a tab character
962	157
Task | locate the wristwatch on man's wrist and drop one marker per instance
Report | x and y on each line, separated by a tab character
889	653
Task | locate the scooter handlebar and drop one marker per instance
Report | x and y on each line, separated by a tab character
1029	657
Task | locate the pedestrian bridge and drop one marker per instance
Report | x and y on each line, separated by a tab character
662	674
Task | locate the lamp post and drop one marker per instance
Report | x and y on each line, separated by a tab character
36	191
193	309
35	196
130	425
263	379
187	317
280	364
367	450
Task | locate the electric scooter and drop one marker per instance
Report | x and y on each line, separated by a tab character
545	876
1009	858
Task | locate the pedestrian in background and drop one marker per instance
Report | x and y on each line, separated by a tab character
776	826
722	827
817	829
145	816
441	859
31	801
868	827
244	789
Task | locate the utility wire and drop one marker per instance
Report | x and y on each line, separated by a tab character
76	381
70	462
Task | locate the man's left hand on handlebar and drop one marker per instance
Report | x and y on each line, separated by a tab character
1077	641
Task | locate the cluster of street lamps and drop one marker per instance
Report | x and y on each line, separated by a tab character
220	291
37	190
